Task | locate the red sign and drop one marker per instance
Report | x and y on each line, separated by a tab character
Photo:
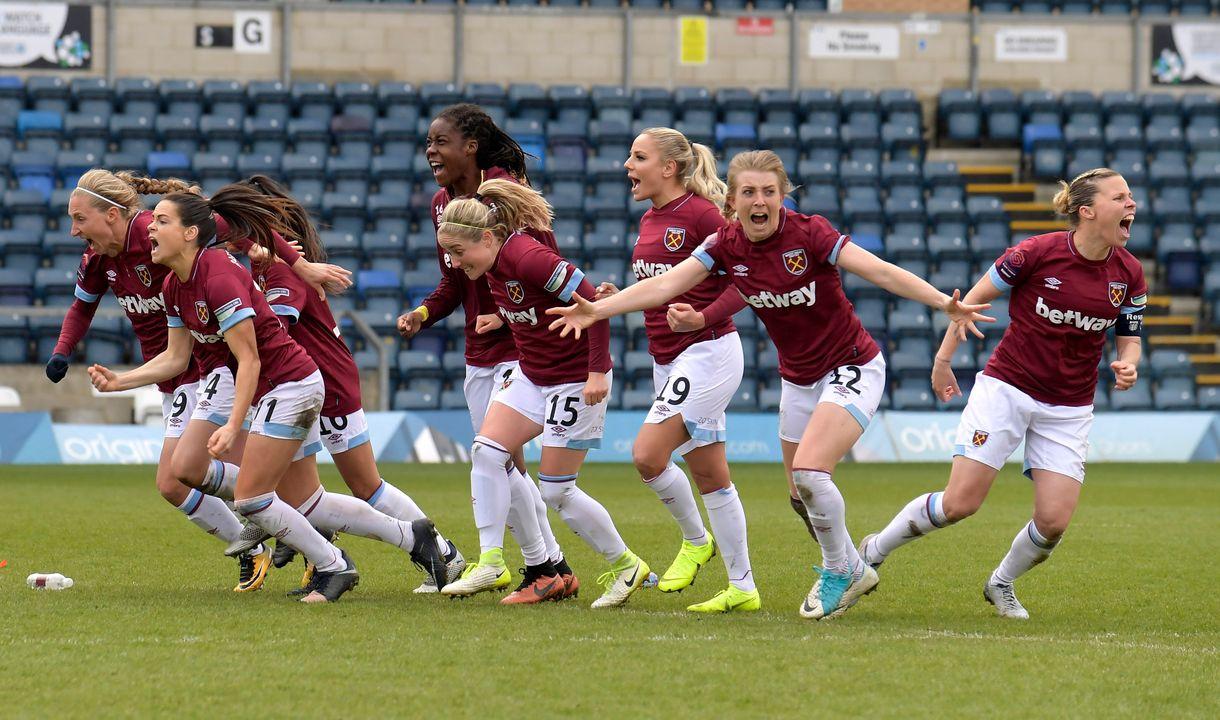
758	26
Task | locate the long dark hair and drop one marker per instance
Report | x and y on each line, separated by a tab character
300	226
249	213
496	147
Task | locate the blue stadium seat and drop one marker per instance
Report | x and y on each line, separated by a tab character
1003	113
14	339
912	395
960	115
737	106
16	285
1041	107
778	106
571	103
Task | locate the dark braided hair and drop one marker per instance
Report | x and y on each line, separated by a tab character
496	147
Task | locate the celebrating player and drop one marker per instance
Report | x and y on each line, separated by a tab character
784	265
214	311
1068	289
695	374
559	391
106	214
465	147
342	423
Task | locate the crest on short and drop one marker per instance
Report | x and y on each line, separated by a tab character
675	238
201	310
144	275
796	262
1118	291
979	438
516	293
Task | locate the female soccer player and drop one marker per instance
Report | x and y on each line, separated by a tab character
1068	289
558	392
342	423
213	310
695	374
784	265
106	214
464	148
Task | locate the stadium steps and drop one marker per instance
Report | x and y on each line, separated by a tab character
1009	192
1211	379
1190	344
1030	210
1207	365
1034	227
1158	306
988	175
1169	325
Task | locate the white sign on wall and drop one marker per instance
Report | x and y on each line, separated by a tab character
1031	44
252	32
861	42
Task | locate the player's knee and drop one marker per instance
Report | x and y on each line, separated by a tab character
648	464
1051	524
185	470
173	491
485	452
555	494
957	509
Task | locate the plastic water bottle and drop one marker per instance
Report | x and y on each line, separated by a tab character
48	581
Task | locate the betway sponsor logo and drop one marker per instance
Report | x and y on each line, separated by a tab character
524	317
136	305
645	269
206	339
1072	317
801	296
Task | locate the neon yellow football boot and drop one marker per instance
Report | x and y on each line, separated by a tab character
691	558
730	600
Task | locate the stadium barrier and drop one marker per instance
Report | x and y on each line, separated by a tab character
444	436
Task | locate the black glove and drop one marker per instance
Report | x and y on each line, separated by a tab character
57	367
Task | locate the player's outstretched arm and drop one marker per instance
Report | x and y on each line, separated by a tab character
168	363
898	281
647	293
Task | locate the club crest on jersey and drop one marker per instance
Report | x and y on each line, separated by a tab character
201	310
796	262
675	238
979	438
1117	292
144	275
516	293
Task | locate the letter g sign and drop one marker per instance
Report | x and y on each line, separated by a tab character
252	31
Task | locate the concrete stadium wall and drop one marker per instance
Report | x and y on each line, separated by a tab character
418	44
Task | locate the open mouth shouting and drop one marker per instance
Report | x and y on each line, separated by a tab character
1124	226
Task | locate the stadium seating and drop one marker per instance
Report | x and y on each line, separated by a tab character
351	153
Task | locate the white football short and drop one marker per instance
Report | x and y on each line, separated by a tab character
857	388
344	432
289	411
699	385
998	417
566	420
177	407
214	398
481	385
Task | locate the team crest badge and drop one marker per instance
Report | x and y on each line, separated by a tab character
201	309
144	275
979	438
516	293
796	262
1117	292
675	238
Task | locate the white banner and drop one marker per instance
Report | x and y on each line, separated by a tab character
859	42
1031	44
252	32
52	35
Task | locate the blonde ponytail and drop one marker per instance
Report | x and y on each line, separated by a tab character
154	186
696	163
516	206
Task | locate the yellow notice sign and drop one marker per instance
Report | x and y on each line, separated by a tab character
692	40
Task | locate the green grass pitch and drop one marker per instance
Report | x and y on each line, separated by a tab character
1125	615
